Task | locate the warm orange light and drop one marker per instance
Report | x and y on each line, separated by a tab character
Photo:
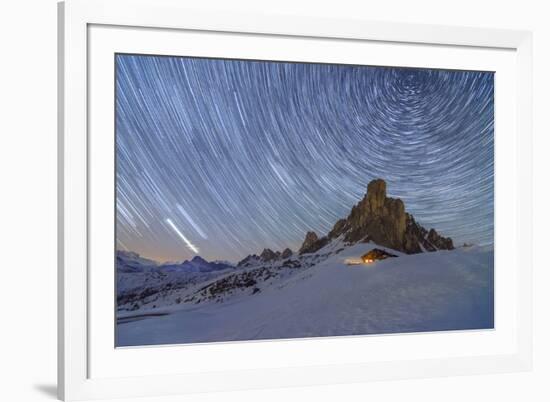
358	261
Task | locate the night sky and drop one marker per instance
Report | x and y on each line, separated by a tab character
223	158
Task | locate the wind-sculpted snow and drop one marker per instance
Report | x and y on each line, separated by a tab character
144	282
169	285
442	290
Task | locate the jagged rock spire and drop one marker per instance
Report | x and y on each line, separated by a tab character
383	220
312	243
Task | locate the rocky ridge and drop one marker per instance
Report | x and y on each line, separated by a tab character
266	256
382	220
376	219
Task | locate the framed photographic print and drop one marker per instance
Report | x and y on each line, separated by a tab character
223	166
258	201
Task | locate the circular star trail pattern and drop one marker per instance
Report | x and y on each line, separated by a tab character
235	155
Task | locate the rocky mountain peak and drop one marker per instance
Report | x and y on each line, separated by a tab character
312	243
383	220
376	218
249	260
269	255
376	195
286	253
311	237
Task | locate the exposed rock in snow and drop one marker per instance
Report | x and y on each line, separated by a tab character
281	294
197	264
269	255
443	290
249	260
128	261
286	253
312	243
383	220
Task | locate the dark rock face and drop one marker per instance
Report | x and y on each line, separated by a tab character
248	260
418	238
383	220
440	242
312	243
269	255
380	218
286	253
339	228
311	238
414	237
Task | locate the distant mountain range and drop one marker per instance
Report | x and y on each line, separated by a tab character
376	271
129	261
377	224
375	219
197	264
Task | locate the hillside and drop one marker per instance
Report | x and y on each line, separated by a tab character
376	271
443	290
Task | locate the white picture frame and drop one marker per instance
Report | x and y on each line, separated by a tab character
90	28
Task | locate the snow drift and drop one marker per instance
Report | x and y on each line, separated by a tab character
442	290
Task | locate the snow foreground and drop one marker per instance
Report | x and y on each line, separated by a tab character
311	295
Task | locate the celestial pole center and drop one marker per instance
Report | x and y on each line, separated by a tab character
228	157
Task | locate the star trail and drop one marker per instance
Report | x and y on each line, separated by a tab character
227	157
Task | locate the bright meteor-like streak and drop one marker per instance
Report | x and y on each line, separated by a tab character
192	222
187	242
250	155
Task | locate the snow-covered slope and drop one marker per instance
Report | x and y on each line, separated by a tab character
142	282
319	295
376	271
197	264
128	261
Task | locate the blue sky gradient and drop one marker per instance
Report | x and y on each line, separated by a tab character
233	156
